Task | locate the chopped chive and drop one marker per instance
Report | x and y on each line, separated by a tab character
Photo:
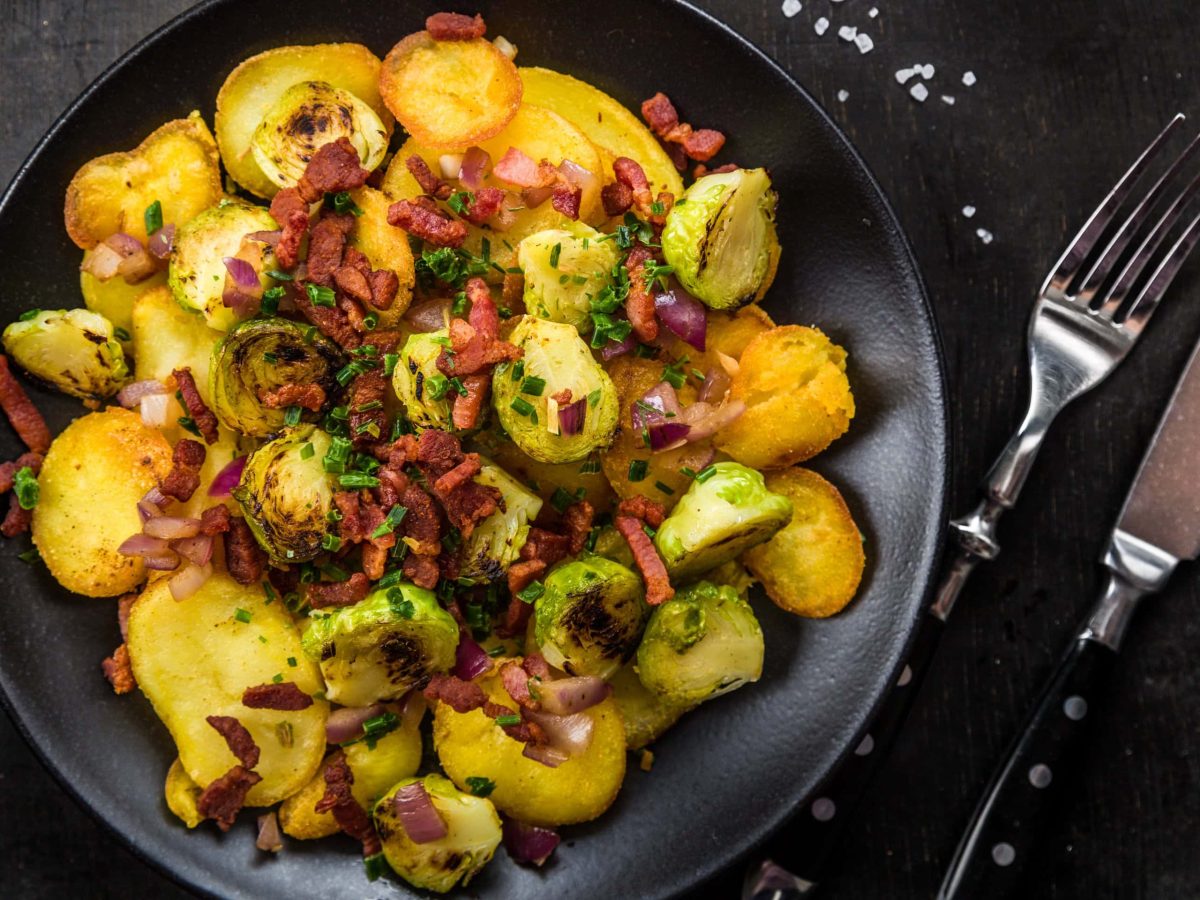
279	275
269	593
394	517
358	480
307	451
331	542
555	252
292	661
666	489
507	720
292	416
25	485
533	386
29	314
153	217
480	786
262	639
521	406
242	615
319	294
706	473
534	590
518	369
638	469
121	334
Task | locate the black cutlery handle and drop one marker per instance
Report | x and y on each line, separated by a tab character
1003	828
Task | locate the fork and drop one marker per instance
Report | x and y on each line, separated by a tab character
1084	323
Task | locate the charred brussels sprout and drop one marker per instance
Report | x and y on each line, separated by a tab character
309	115
72	349
722	241
258	357
718	518
392	640
496	541
589	618
286	494
420	386
564	269
528	394
703	642
472	835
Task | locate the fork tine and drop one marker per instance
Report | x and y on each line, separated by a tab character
1147	300
1064	271
1094	280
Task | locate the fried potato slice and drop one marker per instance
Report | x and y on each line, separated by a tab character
96	471
450	94
609	125
814	565
728	334
386	246
167	337
798	400
176	165
187	679
579	790
114	298
253	88
181	794
646	715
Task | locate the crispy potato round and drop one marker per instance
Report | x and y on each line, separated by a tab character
646	715
798	400
579	790
181	794
450	94
167	337
728	334
177	165
814	565
253	88
386	247
114	298
97	470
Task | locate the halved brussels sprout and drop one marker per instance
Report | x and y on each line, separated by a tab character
564	269
392	640
703	642
719	517
496	541
589	619
472	835
419	384
308	116
555	360
261	355
197	271
611	545
286	494
72	349
722	240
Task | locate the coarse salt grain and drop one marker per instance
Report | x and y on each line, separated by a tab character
821	25
984	235
864	43
947	99
927	71
791	7
968	78
843	96
872	12
968	211
904	74
847	32
919	92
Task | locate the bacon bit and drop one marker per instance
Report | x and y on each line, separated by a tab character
422	527
290	211
24	416
17	520
701	144
535	664
513	291
468	406
332	323
701	170
9	470
244	559
566	199
486	204
241	743
367	389
323	594
421	570
183	479
124	608
520	575
215	519
660	114
577	519
617	198
422	219
374	561
224	798
641	507
631	174
461	696
654	573
385	284
333	168
678	158
667	201
392	485
516	682
430	183
354	313
448	26
326	244
353	282
119	671
461	473
639	305
468	503
518	169
352	528
285	581
339	800
475	343
306	396
196	407
286	696
704	144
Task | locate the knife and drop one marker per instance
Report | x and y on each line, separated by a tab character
1158	528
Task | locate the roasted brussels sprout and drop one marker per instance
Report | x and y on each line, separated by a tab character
611	545
525	394
197	270
494	544
472	836
722	241
309	115
703	642
564	269
377	649
261	355
419	384
72	349
729	511
589	618
286	494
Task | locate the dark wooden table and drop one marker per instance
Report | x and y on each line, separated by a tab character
1068	91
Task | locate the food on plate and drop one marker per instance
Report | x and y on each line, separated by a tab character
495	429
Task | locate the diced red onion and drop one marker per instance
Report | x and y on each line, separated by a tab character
566	696
242	272
474	167
683	314
431	315
131	395
155	409
346	724
705	420
668	435
545	754
143	545
147	510
156	497
658	405
517	168
243	290
571	734
450	163
125	244
227	479
505	217
168	562
269	838
420	818
588	184
265	237
534	197
102	262
171	527
188	580
716	383
197	550
505	46
613	349
529	843
138	267
413	710
162	241
571	416
470	659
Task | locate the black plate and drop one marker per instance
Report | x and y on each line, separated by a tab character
725	776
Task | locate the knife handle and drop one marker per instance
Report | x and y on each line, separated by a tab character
1003	829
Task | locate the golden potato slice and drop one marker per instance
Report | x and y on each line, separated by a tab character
386	246
95	473
253	88
181	794
633	376
609	125
471	744
450	93
646	715
728	334
544	478
114	298
216	457
167	337
176	165
195	658
814	565
798	400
